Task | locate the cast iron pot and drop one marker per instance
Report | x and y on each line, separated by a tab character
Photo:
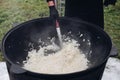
16	44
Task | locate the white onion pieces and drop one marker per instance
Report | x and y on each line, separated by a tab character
69	59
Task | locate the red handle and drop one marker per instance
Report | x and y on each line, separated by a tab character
57	24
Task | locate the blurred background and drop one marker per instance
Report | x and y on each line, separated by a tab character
14	12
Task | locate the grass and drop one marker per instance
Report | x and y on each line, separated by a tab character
112	23
18	11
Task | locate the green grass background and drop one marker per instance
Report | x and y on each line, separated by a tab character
18	11
112	23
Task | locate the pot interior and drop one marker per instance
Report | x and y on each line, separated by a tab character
94	42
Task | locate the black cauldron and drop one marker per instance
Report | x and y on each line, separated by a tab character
15	47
